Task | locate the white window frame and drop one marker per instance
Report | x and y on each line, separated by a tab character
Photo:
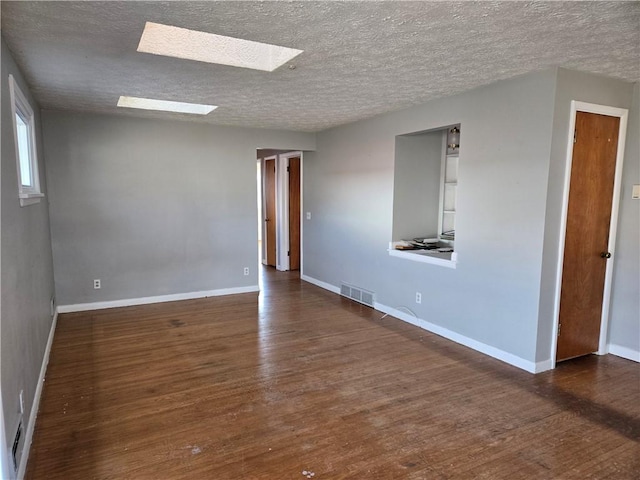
28	195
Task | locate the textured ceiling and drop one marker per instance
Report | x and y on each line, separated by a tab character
360	58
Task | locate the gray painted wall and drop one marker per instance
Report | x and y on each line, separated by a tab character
624	327
27	270
153	207
416	185
493	294
572	85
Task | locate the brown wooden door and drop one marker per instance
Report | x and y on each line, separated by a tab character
587	234
294	213
270	210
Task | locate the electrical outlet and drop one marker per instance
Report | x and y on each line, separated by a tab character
21	400
97	284
418	297
308	215
246	271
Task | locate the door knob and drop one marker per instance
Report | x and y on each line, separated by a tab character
605	255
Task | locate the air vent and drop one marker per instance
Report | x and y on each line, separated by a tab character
15	448
358	294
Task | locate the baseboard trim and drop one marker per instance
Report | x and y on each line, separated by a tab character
36	401
531	367
130	302
494	352
543	366
320	283
624	352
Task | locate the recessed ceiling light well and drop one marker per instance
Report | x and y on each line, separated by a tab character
165	105
179	42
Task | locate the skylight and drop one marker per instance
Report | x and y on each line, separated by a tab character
179	42
165	105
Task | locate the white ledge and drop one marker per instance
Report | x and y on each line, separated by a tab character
448	259
30	198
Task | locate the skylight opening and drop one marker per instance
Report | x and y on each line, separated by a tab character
188	44
165	105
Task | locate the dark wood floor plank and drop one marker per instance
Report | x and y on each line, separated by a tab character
299	379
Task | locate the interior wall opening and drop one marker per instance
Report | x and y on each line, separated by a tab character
279	208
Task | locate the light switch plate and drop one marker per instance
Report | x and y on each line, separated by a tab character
635	194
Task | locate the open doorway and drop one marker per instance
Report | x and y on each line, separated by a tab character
279	208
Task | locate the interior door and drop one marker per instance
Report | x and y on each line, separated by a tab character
294	213
270	210
587	235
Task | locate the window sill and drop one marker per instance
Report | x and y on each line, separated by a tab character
30	198
448	259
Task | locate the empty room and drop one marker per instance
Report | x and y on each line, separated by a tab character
320	239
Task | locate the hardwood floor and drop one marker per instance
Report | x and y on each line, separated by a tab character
302	380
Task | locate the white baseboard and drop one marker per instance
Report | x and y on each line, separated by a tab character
531	367
624	352
321	284
543	366
36	401
494	352
129	302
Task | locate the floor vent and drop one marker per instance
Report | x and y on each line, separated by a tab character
15	448
358	294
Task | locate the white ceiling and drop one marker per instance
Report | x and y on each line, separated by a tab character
360	58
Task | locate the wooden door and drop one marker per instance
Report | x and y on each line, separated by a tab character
587	234
270	210
294	213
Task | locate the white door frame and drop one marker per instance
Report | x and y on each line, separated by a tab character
264	207
621	113
283	208
261	206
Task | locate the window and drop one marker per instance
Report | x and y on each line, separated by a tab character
424	200
26	156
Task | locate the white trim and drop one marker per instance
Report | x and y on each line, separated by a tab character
260	206
30	198
443	163
25	202
36	401
543	366
494	352
622	113
320	283
613	225
302	214
599	109
285	243
129	302
624	352
511	359
265	240
282	205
